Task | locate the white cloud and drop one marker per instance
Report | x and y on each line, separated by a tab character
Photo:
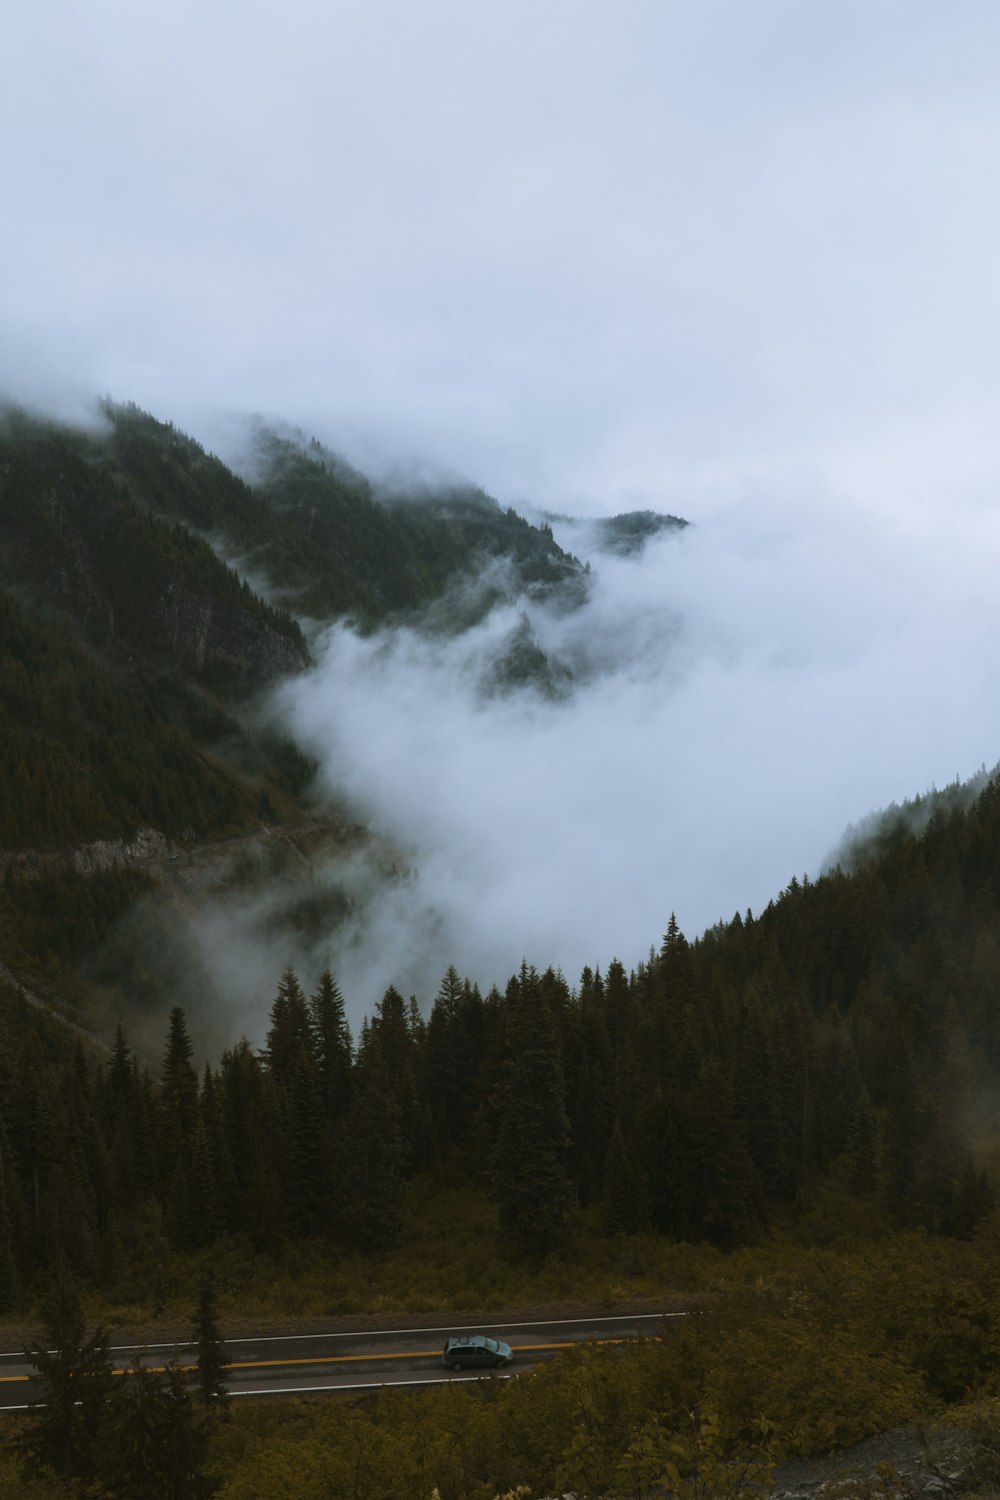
564	249
738	262
758	684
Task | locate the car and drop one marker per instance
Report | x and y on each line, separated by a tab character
474	1351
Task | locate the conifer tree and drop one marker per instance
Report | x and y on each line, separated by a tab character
9	1284
75	1375
864	1146
242	1084
186	1442
618	1008
119	1082
212	1363
454	1057
332	1046
153	1445
623	1195
179	1095
389	1055
10	1295
289	1034
304	1128
133	1429
529	1161
202	1190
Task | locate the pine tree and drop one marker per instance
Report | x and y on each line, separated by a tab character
332	1046
202	1190
389	1055
242	1083
864	1147
623	1192
289	1032
9	1282
153	1445
132	1455
118	1088
75	1375
454	1057
10	1292
304	1129
185	1447
529	1162
212	1363
375	1128
179	1095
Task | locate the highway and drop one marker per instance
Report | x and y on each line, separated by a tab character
313	1363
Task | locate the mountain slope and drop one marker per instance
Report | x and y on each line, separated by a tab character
129	645
133	654
315	528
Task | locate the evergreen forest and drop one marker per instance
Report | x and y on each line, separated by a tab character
787	1123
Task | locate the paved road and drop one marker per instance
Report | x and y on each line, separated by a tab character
356	1361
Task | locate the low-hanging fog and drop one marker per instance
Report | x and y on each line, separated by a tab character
736	262
743	690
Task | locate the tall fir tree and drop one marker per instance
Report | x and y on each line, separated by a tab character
289	1032
529	1163
210	1354
332	1047
74	1372
179	1087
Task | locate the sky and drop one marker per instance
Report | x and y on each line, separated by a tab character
735	261
595	256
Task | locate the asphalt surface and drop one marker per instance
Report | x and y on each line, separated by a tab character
317	1362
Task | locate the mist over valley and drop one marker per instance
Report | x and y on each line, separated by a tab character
512	739
499	736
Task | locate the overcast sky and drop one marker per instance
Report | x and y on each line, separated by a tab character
733	259
592	254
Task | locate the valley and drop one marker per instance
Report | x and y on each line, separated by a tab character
210	1078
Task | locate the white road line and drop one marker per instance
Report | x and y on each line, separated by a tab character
388	1333
371	1385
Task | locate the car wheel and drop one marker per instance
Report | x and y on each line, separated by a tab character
458	1366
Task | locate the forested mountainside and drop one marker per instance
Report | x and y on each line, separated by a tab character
318	531
134	652
128	645
627	533
847	1029
814	1085
125	646
835	1056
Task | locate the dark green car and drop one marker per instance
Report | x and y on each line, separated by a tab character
474	1351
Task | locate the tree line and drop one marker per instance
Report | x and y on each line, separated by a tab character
844	1036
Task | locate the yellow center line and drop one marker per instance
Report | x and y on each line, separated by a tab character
340	1359
334	1359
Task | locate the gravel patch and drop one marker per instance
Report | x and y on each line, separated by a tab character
908	1461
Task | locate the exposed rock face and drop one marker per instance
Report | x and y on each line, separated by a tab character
206	637
144	847
254	859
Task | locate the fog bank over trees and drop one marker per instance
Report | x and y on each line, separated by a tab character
740	693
